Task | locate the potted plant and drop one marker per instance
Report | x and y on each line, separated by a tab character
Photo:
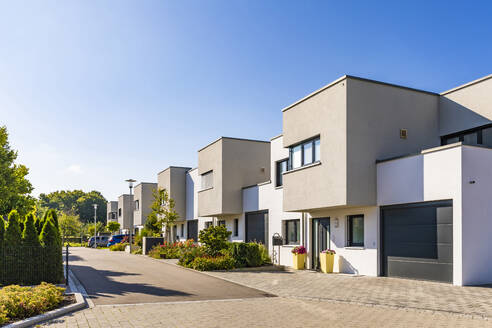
326	260
299	257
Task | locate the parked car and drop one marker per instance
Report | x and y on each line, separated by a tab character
116	239
100	241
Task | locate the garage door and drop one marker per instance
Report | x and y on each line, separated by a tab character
192	230
417	241
256	227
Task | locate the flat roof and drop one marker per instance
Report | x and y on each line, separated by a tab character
231	138
344	77
276	137
144	183
175	167
467	84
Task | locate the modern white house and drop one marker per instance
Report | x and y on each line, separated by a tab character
112	211
125	212
395	180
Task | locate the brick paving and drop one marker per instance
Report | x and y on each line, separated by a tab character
392	292
260	312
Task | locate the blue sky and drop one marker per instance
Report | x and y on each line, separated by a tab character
94	92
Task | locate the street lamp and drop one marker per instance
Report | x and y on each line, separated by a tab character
95	224
130	185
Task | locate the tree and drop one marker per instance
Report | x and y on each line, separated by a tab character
15	189
75	202
69	225
2	234
99	226
113	226
52	249
31	248
13	236
163	214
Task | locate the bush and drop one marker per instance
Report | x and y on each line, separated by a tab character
187	257
171	250
118	247
139	237
248	254
214	239
51	241
207	263
18	302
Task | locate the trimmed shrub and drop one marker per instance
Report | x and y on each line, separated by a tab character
214	239
12	261
224	262
51	242
17	303
248	254
13	236
31	248
186	259
118	247
171	250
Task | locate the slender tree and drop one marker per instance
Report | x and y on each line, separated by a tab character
52	251
31	250
13	235
2	255
12	253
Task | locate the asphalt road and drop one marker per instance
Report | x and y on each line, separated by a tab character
121	278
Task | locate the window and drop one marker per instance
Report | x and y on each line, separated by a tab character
182	230
119	212
291	232
113	215
208	224
236	227
355	230
221	223
208	180
477	136
137	205
281	168
305	153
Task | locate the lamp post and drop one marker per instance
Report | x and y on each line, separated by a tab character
95	224
130	185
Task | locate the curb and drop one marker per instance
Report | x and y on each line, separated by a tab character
80	304
77	287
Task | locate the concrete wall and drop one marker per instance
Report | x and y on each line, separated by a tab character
125	203
111	207
466	107
144	194
375	114
236	163
477	222
440	171
173	179
324	185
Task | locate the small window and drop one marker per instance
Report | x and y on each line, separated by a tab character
307	152
355	230
208	224
316	150
208	180
182	230
291	232
281	168
236	227
403	133
119	212
221	223
296	157
137	205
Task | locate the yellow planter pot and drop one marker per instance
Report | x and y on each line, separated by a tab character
326	260
298	261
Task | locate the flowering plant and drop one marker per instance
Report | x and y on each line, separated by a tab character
329	251
299	250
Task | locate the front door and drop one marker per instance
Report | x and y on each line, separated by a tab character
321	239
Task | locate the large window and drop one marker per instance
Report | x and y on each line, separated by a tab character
292	233
305	153
355	230
207	180
281	168
477	136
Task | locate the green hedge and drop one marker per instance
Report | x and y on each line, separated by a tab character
248	254
224	262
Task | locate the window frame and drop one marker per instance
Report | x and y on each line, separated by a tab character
278	174
236	228
297	231
461	134
350	242
212	180
311	141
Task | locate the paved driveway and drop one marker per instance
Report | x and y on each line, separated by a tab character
121	278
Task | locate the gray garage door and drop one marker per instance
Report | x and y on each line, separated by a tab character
192	228
256	227
417	241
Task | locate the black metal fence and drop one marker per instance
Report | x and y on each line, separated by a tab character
26	265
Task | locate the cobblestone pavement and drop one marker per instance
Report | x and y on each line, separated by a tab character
260	312
391	292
